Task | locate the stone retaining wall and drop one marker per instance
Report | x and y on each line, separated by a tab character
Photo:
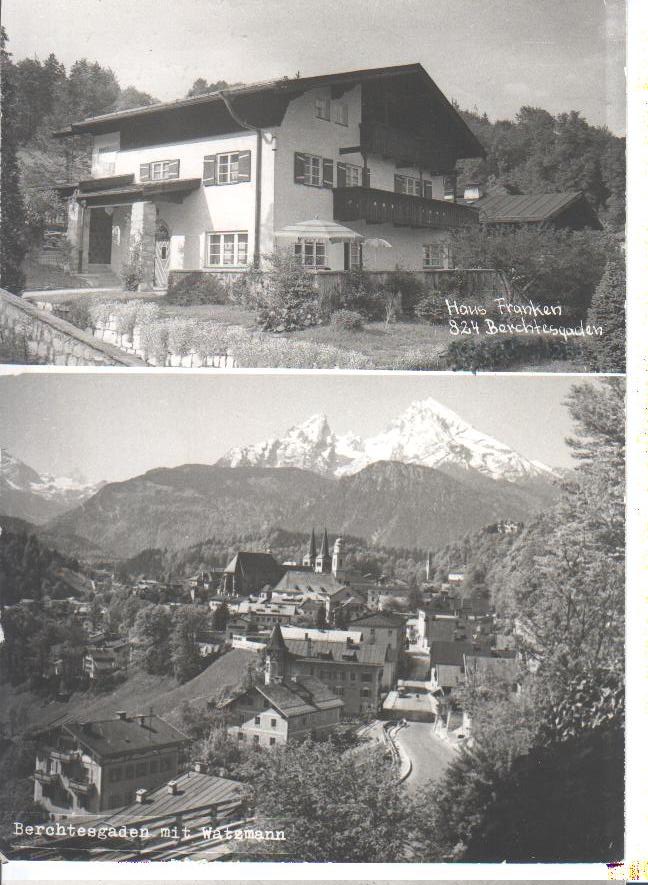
50	340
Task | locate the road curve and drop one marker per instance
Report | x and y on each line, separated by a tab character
429	754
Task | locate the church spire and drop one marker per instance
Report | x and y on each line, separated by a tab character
323	562
309	558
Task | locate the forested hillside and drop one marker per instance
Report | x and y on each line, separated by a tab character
540	153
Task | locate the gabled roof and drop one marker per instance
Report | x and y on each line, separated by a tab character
305	694
380	619
255	566
299	579
528	208
452	653
270	99
374	654
112	737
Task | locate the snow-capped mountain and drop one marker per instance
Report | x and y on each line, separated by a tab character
27	494
427	433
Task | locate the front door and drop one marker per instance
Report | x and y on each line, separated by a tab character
162	255
100	242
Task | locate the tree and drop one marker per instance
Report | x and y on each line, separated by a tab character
320	616
333	807
150	637
201	87
13	240
220	617
184	643
608	353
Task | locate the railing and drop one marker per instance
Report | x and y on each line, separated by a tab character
384	207
45	777
404	147
80	786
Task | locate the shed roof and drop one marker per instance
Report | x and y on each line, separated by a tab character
527	208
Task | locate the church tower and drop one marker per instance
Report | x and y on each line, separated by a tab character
323	561
276	655
337	566
310	557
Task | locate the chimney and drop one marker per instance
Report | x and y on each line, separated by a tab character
472	192
121	714
172	788
200	767
140	795
141	718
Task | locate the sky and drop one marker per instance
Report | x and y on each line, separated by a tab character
111	426
494	55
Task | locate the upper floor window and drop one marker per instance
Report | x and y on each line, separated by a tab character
311	253
450	187
226	249
105	163
313	171
349	175
160	170
227	168
323	108
341	113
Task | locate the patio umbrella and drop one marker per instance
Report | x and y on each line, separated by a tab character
376	243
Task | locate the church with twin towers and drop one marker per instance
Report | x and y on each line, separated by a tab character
323	563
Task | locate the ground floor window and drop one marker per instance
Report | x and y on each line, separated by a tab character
227	249
436	255
311	253
353	256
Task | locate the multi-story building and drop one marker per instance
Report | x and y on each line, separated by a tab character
92	767
206	183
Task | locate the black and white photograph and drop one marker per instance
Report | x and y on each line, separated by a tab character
353	618
368	184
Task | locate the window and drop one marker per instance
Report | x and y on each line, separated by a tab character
352	677
313	171
341	113
349	175
407	184
366	692
436	255
450	187
106	157
230	168
255	739
226	249
311	253
273	723
241	736
257	720
273	741
160	170
322	109
339	690
366	677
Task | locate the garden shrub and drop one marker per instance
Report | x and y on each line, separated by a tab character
181	335
506	351
197	288
125	314
431	307
419	361
101	311
358	292
78	313
132	270
155	341
407	286
286	298
346	321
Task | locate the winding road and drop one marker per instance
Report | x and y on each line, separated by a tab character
430	754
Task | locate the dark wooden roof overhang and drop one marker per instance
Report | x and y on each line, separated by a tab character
169	191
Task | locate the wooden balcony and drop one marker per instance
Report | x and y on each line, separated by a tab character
405	148
80	786
45	777
384	207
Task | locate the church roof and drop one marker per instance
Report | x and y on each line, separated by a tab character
324	549
261	567
276	640
305	581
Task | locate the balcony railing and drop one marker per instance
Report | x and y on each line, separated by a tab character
45	777
384	207
80	786
405	148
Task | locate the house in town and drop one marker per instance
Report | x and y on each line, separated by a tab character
208	183
91	767
286	706
247	573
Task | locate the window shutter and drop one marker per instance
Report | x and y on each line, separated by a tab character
244	165
366	177
341	173
209	170
327	173
299	168
399	184
173	169
145	171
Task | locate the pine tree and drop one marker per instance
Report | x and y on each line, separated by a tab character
608	353
13	240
